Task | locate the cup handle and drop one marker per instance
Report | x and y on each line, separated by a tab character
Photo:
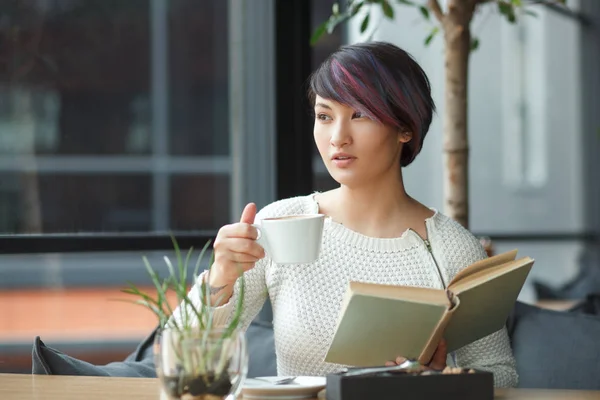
261	239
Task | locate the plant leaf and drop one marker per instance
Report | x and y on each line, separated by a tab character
406	2
531	13
160	288
431	35
424	11
335	20
187	302
205	283
142	302
185	269
164	288
335	8
356	8
204	306
474	44
200	257
181	267
388	10
177	250
507	10
157	303
190	305
238	309
365	23
321	29
152	307
169	266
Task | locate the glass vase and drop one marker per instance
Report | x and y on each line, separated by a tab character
200	364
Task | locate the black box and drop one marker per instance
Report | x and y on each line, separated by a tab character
478	385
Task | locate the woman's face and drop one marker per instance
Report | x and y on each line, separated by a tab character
355	149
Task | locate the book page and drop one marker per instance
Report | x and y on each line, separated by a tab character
485	303
412	293
375	329
484	264
488	274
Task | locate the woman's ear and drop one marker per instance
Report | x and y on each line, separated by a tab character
404	137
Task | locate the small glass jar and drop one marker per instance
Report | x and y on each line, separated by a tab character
200	364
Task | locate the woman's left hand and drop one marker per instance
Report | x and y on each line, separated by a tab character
438	361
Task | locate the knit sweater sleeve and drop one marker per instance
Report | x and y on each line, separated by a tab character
492	353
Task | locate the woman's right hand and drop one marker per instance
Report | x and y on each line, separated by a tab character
236	250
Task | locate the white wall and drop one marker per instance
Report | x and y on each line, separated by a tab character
526	171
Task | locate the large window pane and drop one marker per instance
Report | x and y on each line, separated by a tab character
102	104
114	117
76	78
199	78
75	202
192	195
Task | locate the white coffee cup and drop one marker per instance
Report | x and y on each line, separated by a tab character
292	239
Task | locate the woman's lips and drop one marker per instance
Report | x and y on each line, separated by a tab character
343	161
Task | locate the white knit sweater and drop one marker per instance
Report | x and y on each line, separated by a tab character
306	298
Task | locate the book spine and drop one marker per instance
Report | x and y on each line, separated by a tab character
438	333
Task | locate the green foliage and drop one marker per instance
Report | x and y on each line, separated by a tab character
365	23
336	18
434	31
510	9
507	8
194	316
388	10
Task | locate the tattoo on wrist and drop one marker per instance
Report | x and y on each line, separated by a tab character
215	289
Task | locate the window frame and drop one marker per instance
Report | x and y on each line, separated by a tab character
267	159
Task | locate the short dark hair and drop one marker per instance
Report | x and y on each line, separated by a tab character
384	82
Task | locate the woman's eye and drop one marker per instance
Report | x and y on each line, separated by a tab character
358	114
323	117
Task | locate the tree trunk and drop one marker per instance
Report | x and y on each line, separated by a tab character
457	38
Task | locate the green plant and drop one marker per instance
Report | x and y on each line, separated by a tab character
204	363
177	281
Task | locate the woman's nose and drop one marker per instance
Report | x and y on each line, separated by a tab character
340	136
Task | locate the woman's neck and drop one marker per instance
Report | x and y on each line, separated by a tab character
373	211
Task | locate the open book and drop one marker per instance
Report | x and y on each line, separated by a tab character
380	322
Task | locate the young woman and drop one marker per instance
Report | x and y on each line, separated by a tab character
373	108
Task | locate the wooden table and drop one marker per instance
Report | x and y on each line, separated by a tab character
42	387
